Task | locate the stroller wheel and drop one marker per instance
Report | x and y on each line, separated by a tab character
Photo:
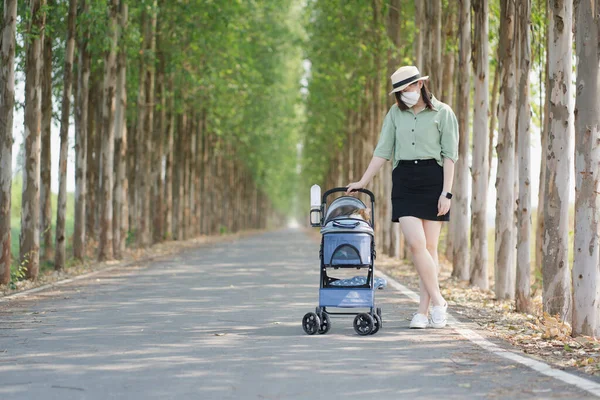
311	323
325	323
377	324
378	311
363	324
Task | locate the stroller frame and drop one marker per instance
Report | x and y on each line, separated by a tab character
337	296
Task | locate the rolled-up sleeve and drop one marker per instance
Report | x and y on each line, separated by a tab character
449	135
387	138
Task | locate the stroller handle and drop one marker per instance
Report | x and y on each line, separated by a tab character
344	189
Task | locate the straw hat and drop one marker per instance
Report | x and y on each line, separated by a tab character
404	76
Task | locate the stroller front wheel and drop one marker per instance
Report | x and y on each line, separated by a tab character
363	324
311	323
325	323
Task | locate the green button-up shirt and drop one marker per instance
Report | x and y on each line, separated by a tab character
429	134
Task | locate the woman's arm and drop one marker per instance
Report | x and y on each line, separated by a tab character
443	202
374	166
448	175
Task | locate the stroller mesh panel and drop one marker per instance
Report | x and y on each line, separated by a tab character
347	249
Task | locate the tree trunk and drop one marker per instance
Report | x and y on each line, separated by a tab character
447	93
7	93
586	307
157	165
120	217
420	33
436	48
480	169
169	165
46	149
144	237
556	277
30	213
540	226
505	207
81	129
460	206
523	273
93	170
493	113
61	208
105	245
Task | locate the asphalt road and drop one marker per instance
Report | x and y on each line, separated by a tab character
224	322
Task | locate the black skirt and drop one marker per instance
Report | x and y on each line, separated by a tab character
416	189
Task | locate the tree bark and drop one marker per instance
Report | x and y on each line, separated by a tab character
523	273
7	94
493	116
105	245
586	296
46	148
145	224
540	226
81	130
436	48
420	33
120	215
556	277
30	213
169	165
460	206
505	202
157	164
61	208
480	169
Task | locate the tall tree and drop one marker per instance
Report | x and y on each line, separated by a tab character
420	34
61	209
480	168
29	239
556	276
460	209
586	296
105	247
7	99
523	275
505	200
436	47
120	196
46	141
81	128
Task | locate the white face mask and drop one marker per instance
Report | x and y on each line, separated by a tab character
410	98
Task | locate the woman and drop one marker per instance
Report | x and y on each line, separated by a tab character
420	135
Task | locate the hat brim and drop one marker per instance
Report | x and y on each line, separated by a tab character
399	88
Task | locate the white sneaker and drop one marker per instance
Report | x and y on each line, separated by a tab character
419	321
438	316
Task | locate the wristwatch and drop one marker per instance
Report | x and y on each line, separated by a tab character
447	195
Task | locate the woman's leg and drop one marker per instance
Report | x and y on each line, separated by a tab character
432	235
414	231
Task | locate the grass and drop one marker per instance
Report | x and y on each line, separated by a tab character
15	223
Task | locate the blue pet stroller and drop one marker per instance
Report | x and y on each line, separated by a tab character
347	241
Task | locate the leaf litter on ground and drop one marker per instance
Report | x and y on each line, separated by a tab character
538	334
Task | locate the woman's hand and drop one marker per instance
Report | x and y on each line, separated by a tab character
354	186
443	205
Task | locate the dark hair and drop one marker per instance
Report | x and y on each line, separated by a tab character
425	94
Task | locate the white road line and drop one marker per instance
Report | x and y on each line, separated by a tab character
582	383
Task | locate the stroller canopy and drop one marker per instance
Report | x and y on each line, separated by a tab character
343	207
